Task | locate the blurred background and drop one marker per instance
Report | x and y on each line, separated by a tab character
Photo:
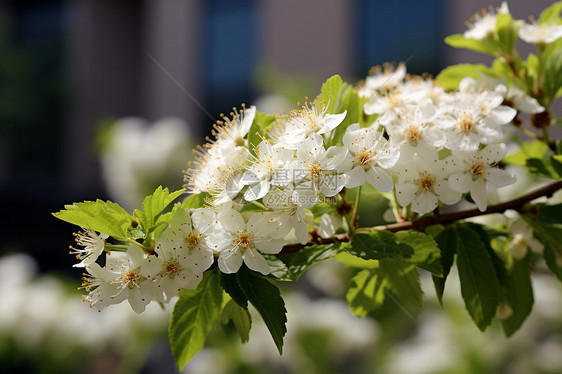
105	99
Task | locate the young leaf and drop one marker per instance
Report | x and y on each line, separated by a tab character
192	318
377	245
366	293
459	41
267	300
298	262
348	101
154	204
507	32
479	283
549	167
196	200
551	15
240	317
426	252
534	149
259	128
329	92
450	77
552	75
519	295
103	216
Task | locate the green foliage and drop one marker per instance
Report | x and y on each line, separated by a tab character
552	74
534	149
240	317
519	294
377	245
482	46
551	15
426	252
549	167
265	297
369	288
154	205
479	283
506	31
192	318
229	283
549	214
103	216
450	77
551	237
297	263
260	126
196	200
340	97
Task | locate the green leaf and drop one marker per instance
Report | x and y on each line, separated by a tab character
366	293
240	317
377	245
329	92
551	15
507	32
559	147
549	167
354	261
552	75
195	201
229	283
450	77
298	262
479	283
426	252
551	237
102	216
192	318
549	214
482	46
260	126
279	270
267	300
447	242
534	149
155	204
348	100
519	296
367	290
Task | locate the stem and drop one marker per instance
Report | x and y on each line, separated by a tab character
443	219
354	211
546	135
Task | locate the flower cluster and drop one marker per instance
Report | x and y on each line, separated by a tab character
427	145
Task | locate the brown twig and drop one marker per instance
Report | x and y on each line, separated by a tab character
442	219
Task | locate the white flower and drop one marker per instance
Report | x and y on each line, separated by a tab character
93	247
383	78
121	279
245	242
264	170
309	120
473	120
522	239
329	224
484	25
540	34
320	169
423	183
287	212
191	238
371	153
231	133
414	131
512	95
479	168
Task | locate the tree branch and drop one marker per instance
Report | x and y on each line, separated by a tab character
442	219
